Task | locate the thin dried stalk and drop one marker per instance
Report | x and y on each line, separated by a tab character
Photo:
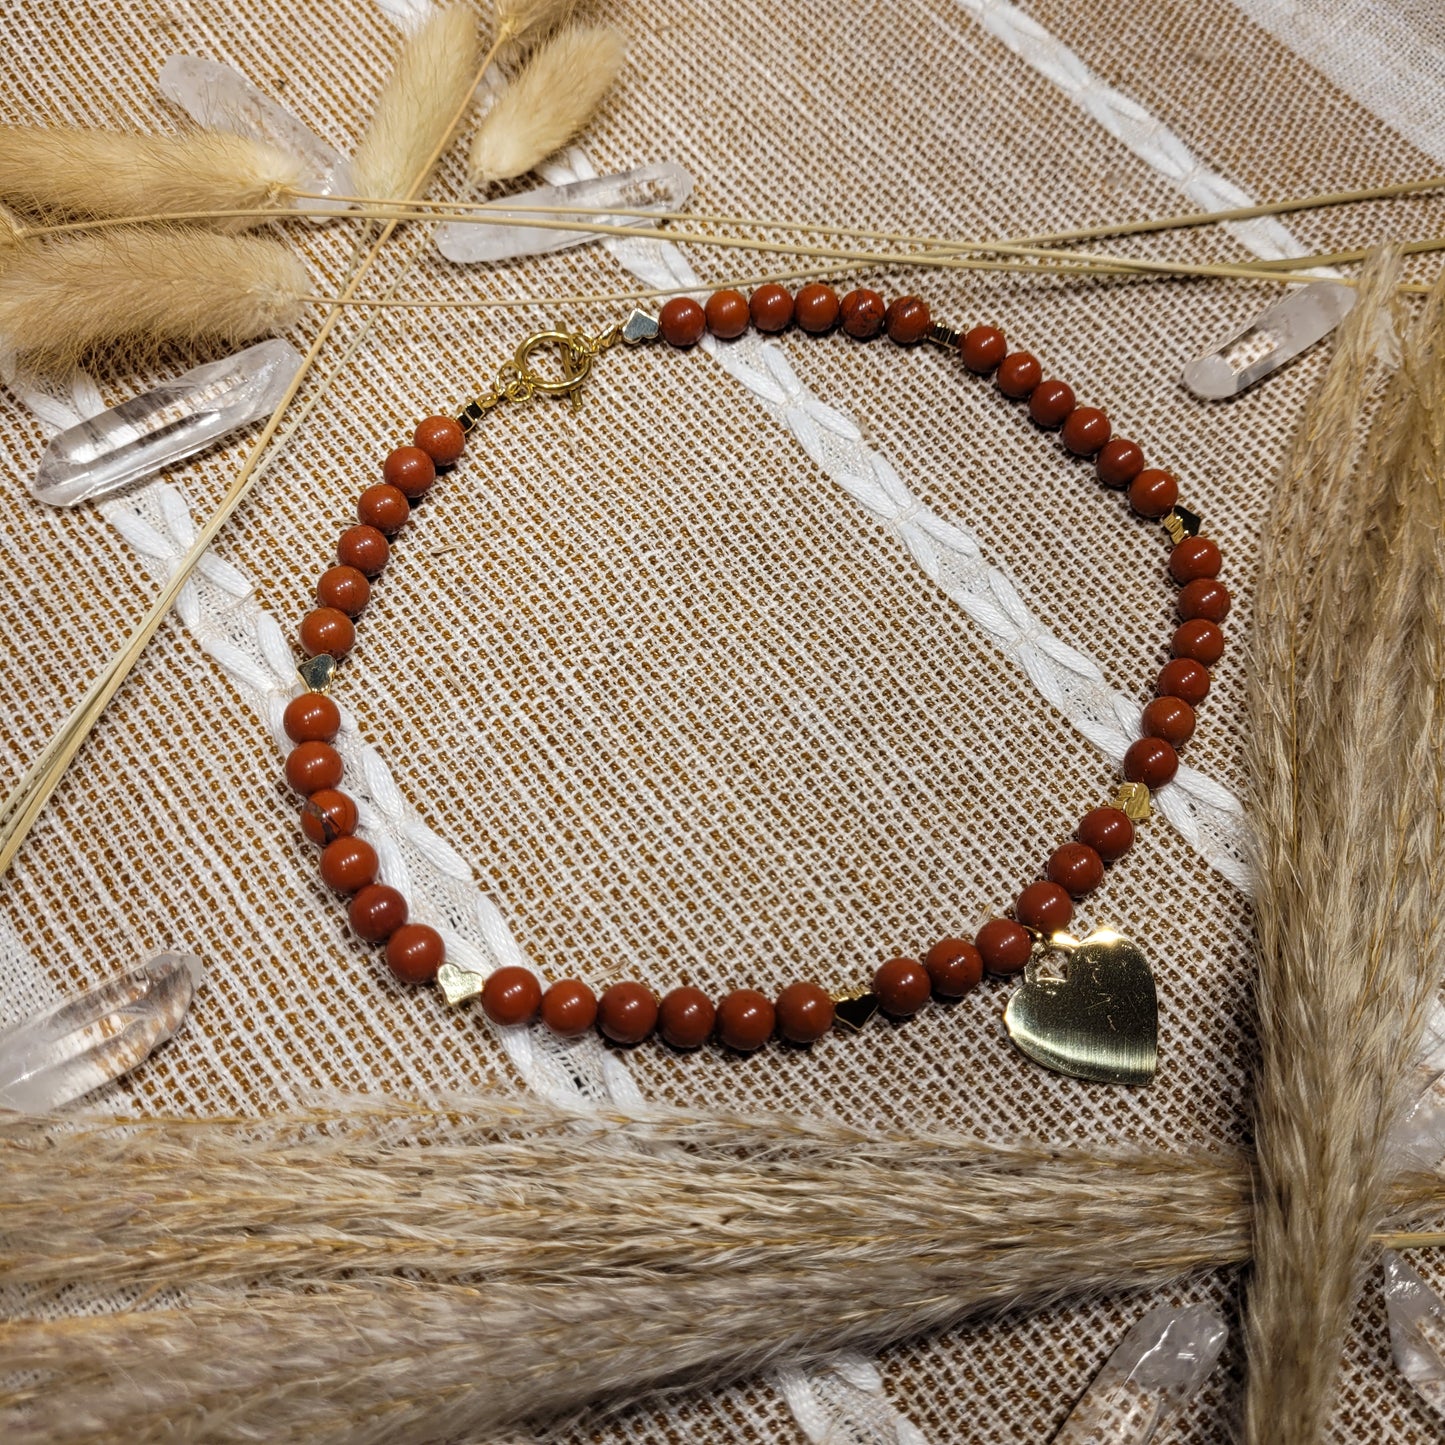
1347	756
551	99
142	287
68	171
417	109
388	1271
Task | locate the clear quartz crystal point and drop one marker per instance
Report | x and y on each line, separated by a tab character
78	1045
1416	1315
1157	1368
215	96
660	187
179	418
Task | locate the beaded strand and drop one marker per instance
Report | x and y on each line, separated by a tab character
685	1018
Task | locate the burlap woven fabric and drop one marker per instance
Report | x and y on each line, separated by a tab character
684	707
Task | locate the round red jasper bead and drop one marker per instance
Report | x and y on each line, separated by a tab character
1119	462
1150	761
1194	557
325	629
983	348
863	311
384	507
815	308
364	548
1018	374
328	814
377	912
1085	431
1204	597
903	987
954	967
512	995
685	1018
311	717
1183	677
1199	639
1004	945
1107	831
312	766
1170	718
907	320
348	865
1044	906
804	1013
1153	492
344	588
726	314
745	1020
410	470
626	1013
771	308
1050	402
443	440
1076	868
682	321
415	952
569	1008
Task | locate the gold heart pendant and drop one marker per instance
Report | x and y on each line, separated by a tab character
1098	1019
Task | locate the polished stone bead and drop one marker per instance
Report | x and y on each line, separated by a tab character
1108	831
348	864
1150	761
441	438
512	995
982	348
954	967
1050	403
569	1008
415	952
384	507
1201	640
627	1013
745	1020
311	717
1204	597
1153	492
727	314
312	766
804	1013
327	630
907	320
364	548
1085	430
1044	906
1005	945
1194	557
345	588
771	308
902	986
685	1018
1076	868
1119	461
682	321
328	814
1018	374
410	470
1170	718
377	912
863	312
815	308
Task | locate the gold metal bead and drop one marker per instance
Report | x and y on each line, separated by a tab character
317	672
457	984
1132	800
1180	523
853	1007
941	335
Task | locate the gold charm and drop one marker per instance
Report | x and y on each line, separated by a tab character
1096	1020
854	1007
457	985
1132	800
316	672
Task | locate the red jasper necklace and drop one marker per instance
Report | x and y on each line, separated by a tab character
1084	1007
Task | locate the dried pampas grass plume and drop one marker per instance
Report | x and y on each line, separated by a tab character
519	22
139	288
420	101
1347	760
375	1270
552	97
62	170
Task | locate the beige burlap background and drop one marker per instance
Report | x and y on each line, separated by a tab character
684	707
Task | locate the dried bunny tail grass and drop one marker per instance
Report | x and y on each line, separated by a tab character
551	98
62	170
408	1273
1347	759
433	76
139	288
520	21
